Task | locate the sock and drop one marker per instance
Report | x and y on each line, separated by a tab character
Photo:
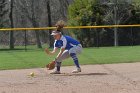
75	59
58	65
58	68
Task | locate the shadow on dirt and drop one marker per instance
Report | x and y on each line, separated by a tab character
81	74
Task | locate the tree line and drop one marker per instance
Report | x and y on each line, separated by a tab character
30	13
44	13
109	12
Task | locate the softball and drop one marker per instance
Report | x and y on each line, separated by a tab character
32	74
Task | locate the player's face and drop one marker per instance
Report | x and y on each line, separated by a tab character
57	37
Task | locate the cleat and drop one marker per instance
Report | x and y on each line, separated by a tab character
55	72
77	70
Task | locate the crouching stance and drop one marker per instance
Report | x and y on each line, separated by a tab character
69	47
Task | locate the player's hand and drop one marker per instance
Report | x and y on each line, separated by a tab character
47	51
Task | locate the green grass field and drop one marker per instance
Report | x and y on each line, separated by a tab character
19	59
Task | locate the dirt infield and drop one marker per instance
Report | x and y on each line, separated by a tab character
111	78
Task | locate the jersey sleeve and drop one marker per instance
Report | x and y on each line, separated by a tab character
55	45
64	43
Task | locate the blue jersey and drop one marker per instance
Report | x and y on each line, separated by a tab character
66	42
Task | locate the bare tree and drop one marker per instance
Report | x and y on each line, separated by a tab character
11	34
33	18
2	11
49	22
116	14
30	10
35	13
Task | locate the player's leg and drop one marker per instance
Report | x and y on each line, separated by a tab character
73	53
64	56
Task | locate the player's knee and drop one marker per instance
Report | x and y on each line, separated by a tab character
59	59
72	54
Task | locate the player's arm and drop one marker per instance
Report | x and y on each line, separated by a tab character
51	52
62	48
60	53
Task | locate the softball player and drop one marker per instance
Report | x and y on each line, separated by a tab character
69	47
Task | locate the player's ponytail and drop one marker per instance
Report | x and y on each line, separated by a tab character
59	25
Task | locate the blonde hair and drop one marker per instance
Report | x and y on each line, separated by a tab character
59	25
